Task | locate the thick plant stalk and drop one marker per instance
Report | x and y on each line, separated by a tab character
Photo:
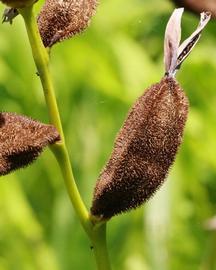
99	246
95	231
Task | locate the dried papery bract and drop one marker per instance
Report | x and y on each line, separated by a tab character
18	3
22	140
197	6
9	15
62	19
172	40
147	144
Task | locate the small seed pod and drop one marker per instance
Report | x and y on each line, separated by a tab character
197	6
62	19
147	144
22	140
18	3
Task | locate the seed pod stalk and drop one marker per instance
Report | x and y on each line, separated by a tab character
60	150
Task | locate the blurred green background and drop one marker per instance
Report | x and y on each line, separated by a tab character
98	75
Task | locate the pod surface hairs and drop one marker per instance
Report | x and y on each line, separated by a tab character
22	140
62	19
144	149
151	135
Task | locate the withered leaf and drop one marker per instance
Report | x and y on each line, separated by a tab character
174	55
172	40
187	46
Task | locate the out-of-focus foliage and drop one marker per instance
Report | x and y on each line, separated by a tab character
97	76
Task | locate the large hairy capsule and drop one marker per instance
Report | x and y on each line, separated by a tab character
18	3
147	144
62	19
197	6
22	140
144	150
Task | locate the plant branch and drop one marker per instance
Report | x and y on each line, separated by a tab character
100	247
96	230
41	59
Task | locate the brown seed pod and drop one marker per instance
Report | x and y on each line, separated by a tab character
147	144
18	3
197	6
62	19
22	140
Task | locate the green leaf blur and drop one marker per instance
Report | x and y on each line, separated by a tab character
98	75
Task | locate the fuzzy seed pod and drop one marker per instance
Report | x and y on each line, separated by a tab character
147	144
22	140
62	19
18	3
197	6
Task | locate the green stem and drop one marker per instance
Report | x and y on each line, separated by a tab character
99	247
41	59
95	230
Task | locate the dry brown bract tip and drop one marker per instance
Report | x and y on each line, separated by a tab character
62	19
22	140
147	144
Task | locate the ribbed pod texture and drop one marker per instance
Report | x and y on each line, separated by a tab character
22	140
61	19
144	150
